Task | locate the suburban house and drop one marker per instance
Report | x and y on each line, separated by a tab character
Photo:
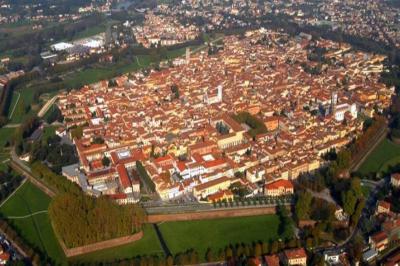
295	256
279	188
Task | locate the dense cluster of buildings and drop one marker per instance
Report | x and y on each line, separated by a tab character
78	49
291	257
377	20
191	142
387	232
4	79
163	30
39	12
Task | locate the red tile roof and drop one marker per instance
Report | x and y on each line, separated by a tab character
278	184
272	260
295	253
123	176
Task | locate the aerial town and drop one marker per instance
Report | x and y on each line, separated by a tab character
181	124
199	132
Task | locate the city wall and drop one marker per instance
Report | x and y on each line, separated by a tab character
209	214
70	252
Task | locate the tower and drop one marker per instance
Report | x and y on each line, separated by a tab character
219	95
334	100
187	55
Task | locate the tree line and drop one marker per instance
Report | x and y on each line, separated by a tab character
80	219
34	255
8	183
144	176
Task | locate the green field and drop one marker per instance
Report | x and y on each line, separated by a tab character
148	245
48	132
24	100
6	135
35	229
386	154
218	233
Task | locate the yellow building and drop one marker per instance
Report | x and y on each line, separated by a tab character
211	187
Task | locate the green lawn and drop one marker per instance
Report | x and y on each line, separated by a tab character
366	190
385	154
90	32
148	245
6	134
37	229
48	132
25	100
218	233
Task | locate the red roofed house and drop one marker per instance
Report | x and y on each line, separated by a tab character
279	188
272	260
379	241
395	180
124	179
295	256
211	187
383	207
202	147
4	256
220	196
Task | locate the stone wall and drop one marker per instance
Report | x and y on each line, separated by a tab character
212	214
70	252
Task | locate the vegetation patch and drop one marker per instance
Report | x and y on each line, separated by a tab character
257	126
34	227
384	156
217	234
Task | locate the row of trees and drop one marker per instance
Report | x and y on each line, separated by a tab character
80	219
26	129
8	183
235	254
144	176
33	255
366	139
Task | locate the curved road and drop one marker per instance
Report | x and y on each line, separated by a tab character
26	216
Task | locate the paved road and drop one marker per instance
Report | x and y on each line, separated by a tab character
15	105
26	216
369	205
324	194
11	125
24	170
47	106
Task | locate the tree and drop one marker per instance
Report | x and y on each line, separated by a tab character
145	176
286	224
228	253
274	247
80	219
303	203
105	161
209	255
77	132
170	261
349	201
175	91
257	250
265	248
193	257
